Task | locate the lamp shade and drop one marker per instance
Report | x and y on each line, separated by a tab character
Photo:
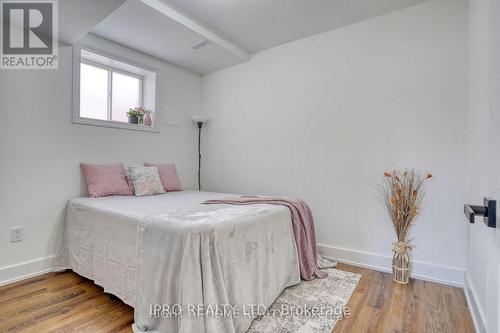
198	118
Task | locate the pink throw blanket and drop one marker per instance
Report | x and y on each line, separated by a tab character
303	230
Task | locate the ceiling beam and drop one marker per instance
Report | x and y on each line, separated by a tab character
175	15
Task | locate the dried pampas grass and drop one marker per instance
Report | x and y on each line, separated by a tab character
403	193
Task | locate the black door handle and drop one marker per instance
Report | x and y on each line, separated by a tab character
488	211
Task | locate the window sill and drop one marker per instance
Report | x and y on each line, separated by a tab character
115	124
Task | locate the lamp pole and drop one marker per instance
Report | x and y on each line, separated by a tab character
200	125
199	120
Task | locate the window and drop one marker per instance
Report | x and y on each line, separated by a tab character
107	94
105	88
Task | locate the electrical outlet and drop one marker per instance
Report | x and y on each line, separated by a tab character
16	234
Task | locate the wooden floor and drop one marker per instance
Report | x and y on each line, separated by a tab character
66	302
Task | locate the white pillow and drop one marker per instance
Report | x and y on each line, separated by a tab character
146	180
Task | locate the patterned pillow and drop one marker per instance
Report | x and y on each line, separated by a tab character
146	180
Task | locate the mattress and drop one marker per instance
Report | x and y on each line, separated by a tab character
100	237
100	234
134	208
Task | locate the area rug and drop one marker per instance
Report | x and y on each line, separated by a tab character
309	307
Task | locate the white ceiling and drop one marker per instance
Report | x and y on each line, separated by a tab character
248	25
257	25
77	17
141	27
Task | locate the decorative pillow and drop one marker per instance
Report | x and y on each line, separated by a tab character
103	180
146	180
129	181
168	176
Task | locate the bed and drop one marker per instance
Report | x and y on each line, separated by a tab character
240	255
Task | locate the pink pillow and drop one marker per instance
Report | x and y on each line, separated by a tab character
168	176
103	180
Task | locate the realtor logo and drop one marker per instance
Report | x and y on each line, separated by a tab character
29	34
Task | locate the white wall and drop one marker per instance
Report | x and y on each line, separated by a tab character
483	173
321	119
40	149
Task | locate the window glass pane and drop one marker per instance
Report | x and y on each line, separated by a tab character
126	94
93	92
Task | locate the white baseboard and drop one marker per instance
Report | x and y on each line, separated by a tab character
24	270
453	276
421	270
476	311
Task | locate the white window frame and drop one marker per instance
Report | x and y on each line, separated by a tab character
151	104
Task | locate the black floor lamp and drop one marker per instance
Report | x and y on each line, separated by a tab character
199	120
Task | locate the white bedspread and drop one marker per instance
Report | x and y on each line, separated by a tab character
212	256
98	240
238	255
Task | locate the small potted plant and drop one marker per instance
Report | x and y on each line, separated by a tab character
136	115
